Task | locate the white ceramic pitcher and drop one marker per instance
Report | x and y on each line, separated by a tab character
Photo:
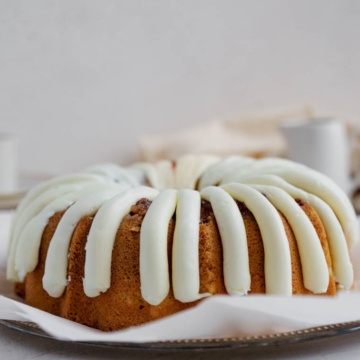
321	144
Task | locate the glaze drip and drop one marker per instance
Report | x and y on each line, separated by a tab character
109	192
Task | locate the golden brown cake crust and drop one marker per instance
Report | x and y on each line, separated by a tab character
122	305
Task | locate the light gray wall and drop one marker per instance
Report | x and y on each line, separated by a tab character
81	80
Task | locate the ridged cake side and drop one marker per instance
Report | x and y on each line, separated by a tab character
122	305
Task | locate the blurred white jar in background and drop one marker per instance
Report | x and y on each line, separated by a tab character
321	144
8	164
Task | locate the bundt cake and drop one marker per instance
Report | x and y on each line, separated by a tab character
113	247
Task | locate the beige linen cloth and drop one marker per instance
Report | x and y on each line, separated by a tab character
257	136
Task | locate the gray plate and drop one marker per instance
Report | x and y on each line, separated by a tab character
203	344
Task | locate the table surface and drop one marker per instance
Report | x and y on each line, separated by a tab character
17	345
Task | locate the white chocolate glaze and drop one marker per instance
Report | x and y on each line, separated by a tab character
58	181
233	237
185	254
160	175
313	263
27	214
27	252
166	174
310	181
55	276
263	165
93	192
340	258
278	276
102	236
183	171
189	169
34	193
115	173
150	172
215	173
324	188
154	269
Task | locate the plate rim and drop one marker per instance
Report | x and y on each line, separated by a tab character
283	338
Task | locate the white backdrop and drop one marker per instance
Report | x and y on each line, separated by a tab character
81	80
